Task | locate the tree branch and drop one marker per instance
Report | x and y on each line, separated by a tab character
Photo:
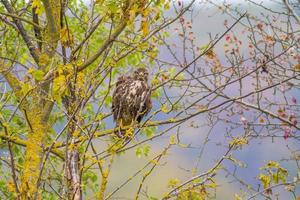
117	32
52	10
32	48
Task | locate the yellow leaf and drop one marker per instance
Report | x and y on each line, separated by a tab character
173	182
172	139
132	14
59	87
238	142
25	88
30	70
146	12
154	81
76	133
167	6
72	146
129	132
297	67
66	37
43	59
266	180
172	120
237	197
10	186
145	28
272	164
153	53
38	7
164	108
105	173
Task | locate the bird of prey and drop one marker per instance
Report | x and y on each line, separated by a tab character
131	100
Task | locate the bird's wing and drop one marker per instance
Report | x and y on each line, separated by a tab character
116	94
145	103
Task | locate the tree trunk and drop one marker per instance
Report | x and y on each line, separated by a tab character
33	155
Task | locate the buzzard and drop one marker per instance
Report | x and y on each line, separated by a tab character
131	99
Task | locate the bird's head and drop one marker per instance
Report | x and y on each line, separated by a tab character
141	74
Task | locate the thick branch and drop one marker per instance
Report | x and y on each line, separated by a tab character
15	84
34	24
37	31
52	10
23	143
32	49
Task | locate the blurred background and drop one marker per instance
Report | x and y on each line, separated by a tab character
203	144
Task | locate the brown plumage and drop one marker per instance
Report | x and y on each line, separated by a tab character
131	99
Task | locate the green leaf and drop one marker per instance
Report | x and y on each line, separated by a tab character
204	48
146	149
108	100
149	131
25	88
142	151
173	182
139	152
38	75
89	108
156	93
